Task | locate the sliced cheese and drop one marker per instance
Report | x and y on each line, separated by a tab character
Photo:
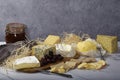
71	64
52	39
40	50
92	66
26	62
65	50
109	43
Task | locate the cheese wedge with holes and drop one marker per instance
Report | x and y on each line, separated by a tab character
52	39
26	62
109	43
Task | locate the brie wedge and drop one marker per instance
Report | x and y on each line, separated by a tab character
26	62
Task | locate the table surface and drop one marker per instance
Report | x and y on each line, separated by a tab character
111	72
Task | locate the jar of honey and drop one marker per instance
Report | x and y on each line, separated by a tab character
15	32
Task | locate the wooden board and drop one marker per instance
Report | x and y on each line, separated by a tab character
33	70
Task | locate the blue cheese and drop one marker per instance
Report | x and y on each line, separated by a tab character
40	50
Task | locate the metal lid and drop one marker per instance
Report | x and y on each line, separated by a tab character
15	28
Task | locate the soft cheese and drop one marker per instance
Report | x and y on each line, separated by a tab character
26	62
65	50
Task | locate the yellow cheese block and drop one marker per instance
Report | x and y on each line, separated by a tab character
40	50
85	46
109	43
52	39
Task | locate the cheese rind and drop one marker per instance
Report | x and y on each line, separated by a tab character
65	50
26	62
40	50
51	40
109	43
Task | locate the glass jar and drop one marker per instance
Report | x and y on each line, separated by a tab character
15	32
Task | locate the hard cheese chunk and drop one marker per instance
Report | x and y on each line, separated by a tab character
26	62
52	39
40	50
109	43
87	45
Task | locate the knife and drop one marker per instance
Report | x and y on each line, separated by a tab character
60	74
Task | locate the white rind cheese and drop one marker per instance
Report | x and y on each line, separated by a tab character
65	50
26	62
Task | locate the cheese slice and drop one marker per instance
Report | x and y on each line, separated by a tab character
109	43
26	62
51	40
40	50
71	64
65	50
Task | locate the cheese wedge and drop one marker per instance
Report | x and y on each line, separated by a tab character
26	62
109	43
40	50
51	40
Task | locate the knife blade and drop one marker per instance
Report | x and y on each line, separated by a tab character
59	74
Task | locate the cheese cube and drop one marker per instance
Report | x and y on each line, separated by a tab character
52	39
40	50
109	43
26	62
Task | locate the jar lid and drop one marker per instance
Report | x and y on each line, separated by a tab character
15	28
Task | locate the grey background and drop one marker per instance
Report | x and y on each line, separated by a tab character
45	17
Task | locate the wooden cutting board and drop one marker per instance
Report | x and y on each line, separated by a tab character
34	70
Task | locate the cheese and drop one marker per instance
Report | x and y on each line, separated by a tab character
40	50
92	66
71	38
65	50
71	64
109	43
26	62
52	39
85	46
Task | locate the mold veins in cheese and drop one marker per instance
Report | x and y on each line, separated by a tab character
26	62
65	50
52	39
109	43
40	50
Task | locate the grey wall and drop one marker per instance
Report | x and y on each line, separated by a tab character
55	16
